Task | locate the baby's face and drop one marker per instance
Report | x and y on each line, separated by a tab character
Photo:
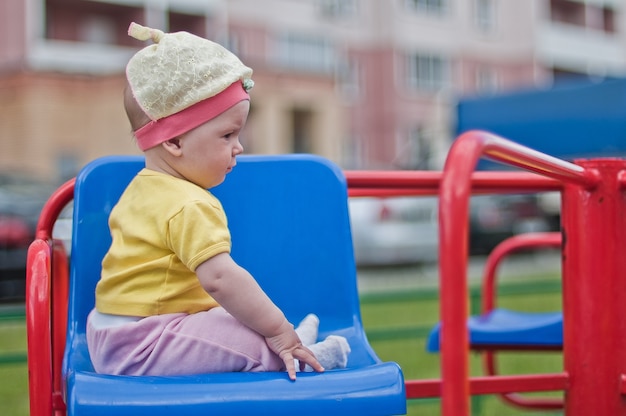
209	151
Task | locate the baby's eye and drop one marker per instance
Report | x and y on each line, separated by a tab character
231	134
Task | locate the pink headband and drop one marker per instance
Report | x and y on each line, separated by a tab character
159	131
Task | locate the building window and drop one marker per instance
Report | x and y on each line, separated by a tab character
428	72
234	43
486	80
302	122
413	149
608	19
485	15
89	22
337	8
97	29
353	154
305	53
187	22
434	7
566	11
584	14
349	78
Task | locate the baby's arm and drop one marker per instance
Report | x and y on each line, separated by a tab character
236	291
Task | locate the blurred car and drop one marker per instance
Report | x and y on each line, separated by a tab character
494	218
14	231
393	231
21	200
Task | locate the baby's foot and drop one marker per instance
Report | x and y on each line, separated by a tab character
331	353
307	329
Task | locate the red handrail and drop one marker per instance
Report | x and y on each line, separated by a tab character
489	295
504	249
45	335
393	183
52	209
454	196
397	183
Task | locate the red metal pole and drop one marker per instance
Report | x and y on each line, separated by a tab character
454	194
389	183
52	209
594	292
43	366
489	297
502	251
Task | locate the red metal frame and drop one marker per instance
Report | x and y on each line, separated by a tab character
506	248
594	290
395	183
46	309
38	329
488	303
593	273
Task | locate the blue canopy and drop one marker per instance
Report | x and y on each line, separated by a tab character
574	120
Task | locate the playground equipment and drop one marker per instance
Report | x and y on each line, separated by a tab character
594	283
594	292
502	329
290	227
497	329
593	203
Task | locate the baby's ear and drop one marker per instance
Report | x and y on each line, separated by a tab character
172	146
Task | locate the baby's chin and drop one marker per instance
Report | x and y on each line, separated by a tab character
217	181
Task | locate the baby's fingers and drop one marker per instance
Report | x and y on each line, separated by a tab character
305	356
287	358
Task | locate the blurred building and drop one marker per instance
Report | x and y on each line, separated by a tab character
367	83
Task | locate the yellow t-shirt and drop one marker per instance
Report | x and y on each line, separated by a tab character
162	228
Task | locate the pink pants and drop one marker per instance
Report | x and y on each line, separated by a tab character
176	344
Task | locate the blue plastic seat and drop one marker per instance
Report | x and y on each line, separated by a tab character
503	328
290	228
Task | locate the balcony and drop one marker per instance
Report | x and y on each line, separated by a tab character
579	48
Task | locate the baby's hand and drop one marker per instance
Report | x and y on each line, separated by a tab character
288	347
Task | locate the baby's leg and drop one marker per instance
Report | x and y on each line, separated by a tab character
331	353
205	342
307	329
215	341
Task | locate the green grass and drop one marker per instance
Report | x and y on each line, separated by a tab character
411	314
13	371
396	324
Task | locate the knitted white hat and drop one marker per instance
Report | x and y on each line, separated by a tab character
177	72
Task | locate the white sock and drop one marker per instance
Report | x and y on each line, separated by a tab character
307	329
331	353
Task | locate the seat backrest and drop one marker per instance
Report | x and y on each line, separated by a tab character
290	228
